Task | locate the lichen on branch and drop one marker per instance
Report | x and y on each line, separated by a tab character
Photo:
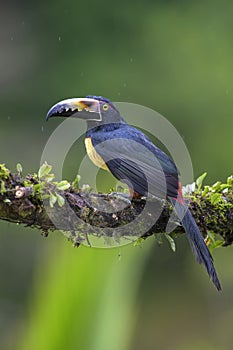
36	200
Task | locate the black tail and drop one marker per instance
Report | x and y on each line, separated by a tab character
196	240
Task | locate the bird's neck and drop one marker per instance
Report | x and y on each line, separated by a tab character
93	126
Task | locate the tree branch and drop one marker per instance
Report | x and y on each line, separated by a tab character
38	201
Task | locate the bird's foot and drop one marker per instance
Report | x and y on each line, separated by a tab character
125	197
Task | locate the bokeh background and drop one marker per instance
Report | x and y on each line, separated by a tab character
173	56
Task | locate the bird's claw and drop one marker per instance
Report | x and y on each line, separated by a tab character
122	196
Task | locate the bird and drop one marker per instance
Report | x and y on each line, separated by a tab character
126	152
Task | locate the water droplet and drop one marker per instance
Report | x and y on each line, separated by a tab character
59	38
42	128
131	60
9	117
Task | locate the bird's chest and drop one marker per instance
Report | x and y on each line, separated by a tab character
93	155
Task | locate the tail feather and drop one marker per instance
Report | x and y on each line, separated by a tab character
196	240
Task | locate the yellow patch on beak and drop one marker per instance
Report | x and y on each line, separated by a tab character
82	105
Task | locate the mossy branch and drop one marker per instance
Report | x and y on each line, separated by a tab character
40	202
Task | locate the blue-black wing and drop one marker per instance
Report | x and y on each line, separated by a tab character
132	158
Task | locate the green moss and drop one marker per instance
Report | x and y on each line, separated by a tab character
2	187
212	206
4	172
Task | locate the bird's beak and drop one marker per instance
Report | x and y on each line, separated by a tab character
83	108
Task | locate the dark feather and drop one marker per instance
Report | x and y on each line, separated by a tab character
196	240
132	157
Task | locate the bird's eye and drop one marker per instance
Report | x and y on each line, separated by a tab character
105	107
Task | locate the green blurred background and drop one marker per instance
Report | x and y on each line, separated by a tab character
173	56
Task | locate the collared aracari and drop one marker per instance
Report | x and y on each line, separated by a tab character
131	157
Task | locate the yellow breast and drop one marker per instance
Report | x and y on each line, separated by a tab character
93	155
